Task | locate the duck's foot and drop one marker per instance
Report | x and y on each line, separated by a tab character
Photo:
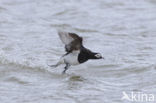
66	68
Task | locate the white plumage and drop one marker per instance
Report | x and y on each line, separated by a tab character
72	58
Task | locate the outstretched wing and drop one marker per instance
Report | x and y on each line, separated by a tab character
65	37
71	40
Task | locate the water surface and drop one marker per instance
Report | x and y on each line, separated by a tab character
122	30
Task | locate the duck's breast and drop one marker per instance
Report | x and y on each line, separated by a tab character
72	58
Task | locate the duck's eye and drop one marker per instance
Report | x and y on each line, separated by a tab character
98	55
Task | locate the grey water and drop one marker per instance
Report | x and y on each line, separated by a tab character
124	31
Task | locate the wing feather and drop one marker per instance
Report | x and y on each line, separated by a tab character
71	40
65	37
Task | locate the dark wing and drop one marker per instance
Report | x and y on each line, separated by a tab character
71	40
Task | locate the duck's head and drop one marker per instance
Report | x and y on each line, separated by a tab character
98	56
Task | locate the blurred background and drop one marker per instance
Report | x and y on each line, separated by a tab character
124	31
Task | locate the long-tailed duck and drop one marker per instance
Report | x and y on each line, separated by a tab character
76	53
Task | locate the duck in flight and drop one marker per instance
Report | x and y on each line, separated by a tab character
76	53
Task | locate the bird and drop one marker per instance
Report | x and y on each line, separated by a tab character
76	53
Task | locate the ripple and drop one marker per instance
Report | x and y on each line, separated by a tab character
2	8
85	30
60	25
61	13
105	66
152	2
16	80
